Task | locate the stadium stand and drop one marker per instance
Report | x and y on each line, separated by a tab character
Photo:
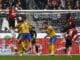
41	4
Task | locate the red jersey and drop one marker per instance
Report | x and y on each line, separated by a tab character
11	13
71	33
70	20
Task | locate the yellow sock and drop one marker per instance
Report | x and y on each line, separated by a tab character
23	45
19	48
49	48
27	44
52	49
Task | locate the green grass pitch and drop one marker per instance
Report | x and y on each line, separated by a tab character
39	58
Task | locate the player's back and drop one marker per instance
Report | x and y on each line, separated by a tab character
50	31
23	27
71	33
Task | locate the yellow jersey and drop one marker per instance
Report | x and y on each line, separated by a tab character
50	31
18	27
23	27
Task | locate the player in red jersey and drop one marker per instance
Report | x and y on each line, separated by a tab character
69	22
71	35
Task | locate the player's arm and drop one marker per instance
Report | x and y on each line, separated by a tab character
46	36
77	41
66	34
17	26
29	25
51	29
35	34
75	37
44	31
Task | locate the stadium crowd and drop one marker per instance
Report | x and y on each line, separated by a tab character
41	4
20	4
58	4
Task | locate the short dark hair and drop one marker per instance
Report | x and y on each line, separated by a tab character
68	15
73	25
45	23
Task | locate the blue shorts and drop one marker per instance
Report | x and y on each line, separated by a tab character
53	40
19	36
26	36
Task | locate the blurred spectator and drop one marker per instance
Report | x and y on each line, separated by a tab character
68	3
41	4
18	6
23	4
0	6
11	2
77	4
53	4
5	4
62	2
27	4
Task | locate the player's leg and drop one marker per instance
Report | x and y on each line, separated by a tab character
24	37
21	45
70	47
51	48
28	42
67	46
19	48
52	45
35	45
36	49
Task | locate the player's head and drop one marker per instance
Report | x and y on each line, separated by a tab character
45	24
68	15
32	27
71	26
20	20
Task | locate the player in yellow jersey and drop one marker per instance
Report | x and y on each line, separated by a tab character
23	30
52	34
26	34
20	43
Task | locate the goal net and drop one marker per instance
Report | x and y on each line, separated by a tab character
56	18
